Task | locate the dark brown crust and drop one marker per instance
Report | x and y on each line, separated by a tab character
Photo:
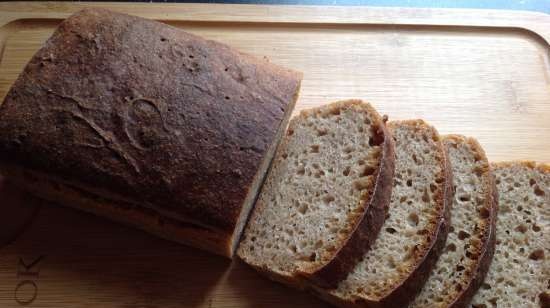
148	114
409	288
488	238
367	226
126	213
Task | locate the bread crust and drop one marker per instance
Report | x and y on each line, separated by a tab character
488	237
121	211
368	225
157	117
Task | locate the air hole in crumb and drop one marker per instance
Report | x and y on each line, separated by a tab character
191	56
536	228
460	268
328	198
315	148
413	219
537	255
301	171
451	247
538	191
409	183
293	248
346	171
321	132
391	230
303	208
285	155
462	235
414	158
361	162
484	213
318	244
348	149
521	228
532	182
290	132
368	171
403	199
464	197
433	188
312	257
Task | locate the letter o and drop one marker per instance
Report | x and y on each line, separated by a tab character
29	300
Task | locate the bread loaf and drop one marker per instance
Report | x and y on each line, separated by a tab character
414	233
147	124
325	197
463	264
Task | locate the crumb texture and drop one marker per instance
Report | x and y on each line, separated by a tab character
323	175
519	274
416	207
470	225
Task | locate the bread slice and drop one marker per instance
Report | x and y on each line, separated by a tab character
462	266
145	124
414	233
519	275
325	198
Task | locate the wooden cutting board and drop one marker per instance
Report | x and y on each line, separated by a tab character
479	73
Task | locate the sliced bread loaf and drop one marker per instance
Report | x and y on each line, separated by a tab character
414	233
462	266
325	197
519	275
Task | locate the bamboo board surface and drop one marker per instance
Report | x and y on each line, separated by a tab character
478	73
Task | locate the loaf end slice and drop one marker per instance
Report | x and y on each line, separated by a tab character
325	197
519	275
414	233
150	119
461	268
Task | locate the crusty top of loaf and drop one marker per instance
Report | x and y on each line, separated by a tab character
146	112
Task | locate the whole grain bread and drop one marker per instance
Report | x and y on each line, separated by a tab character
151	119
519	275
325	197
461	268
414	233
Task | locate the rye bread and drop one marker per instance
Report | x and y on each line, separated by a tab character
461	268
414	233
153	121
325	197
519	275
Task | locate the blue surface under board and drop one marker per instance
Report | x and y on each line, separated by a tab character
525	5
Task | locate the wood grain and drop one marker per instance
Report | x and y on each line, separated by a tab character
479	73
